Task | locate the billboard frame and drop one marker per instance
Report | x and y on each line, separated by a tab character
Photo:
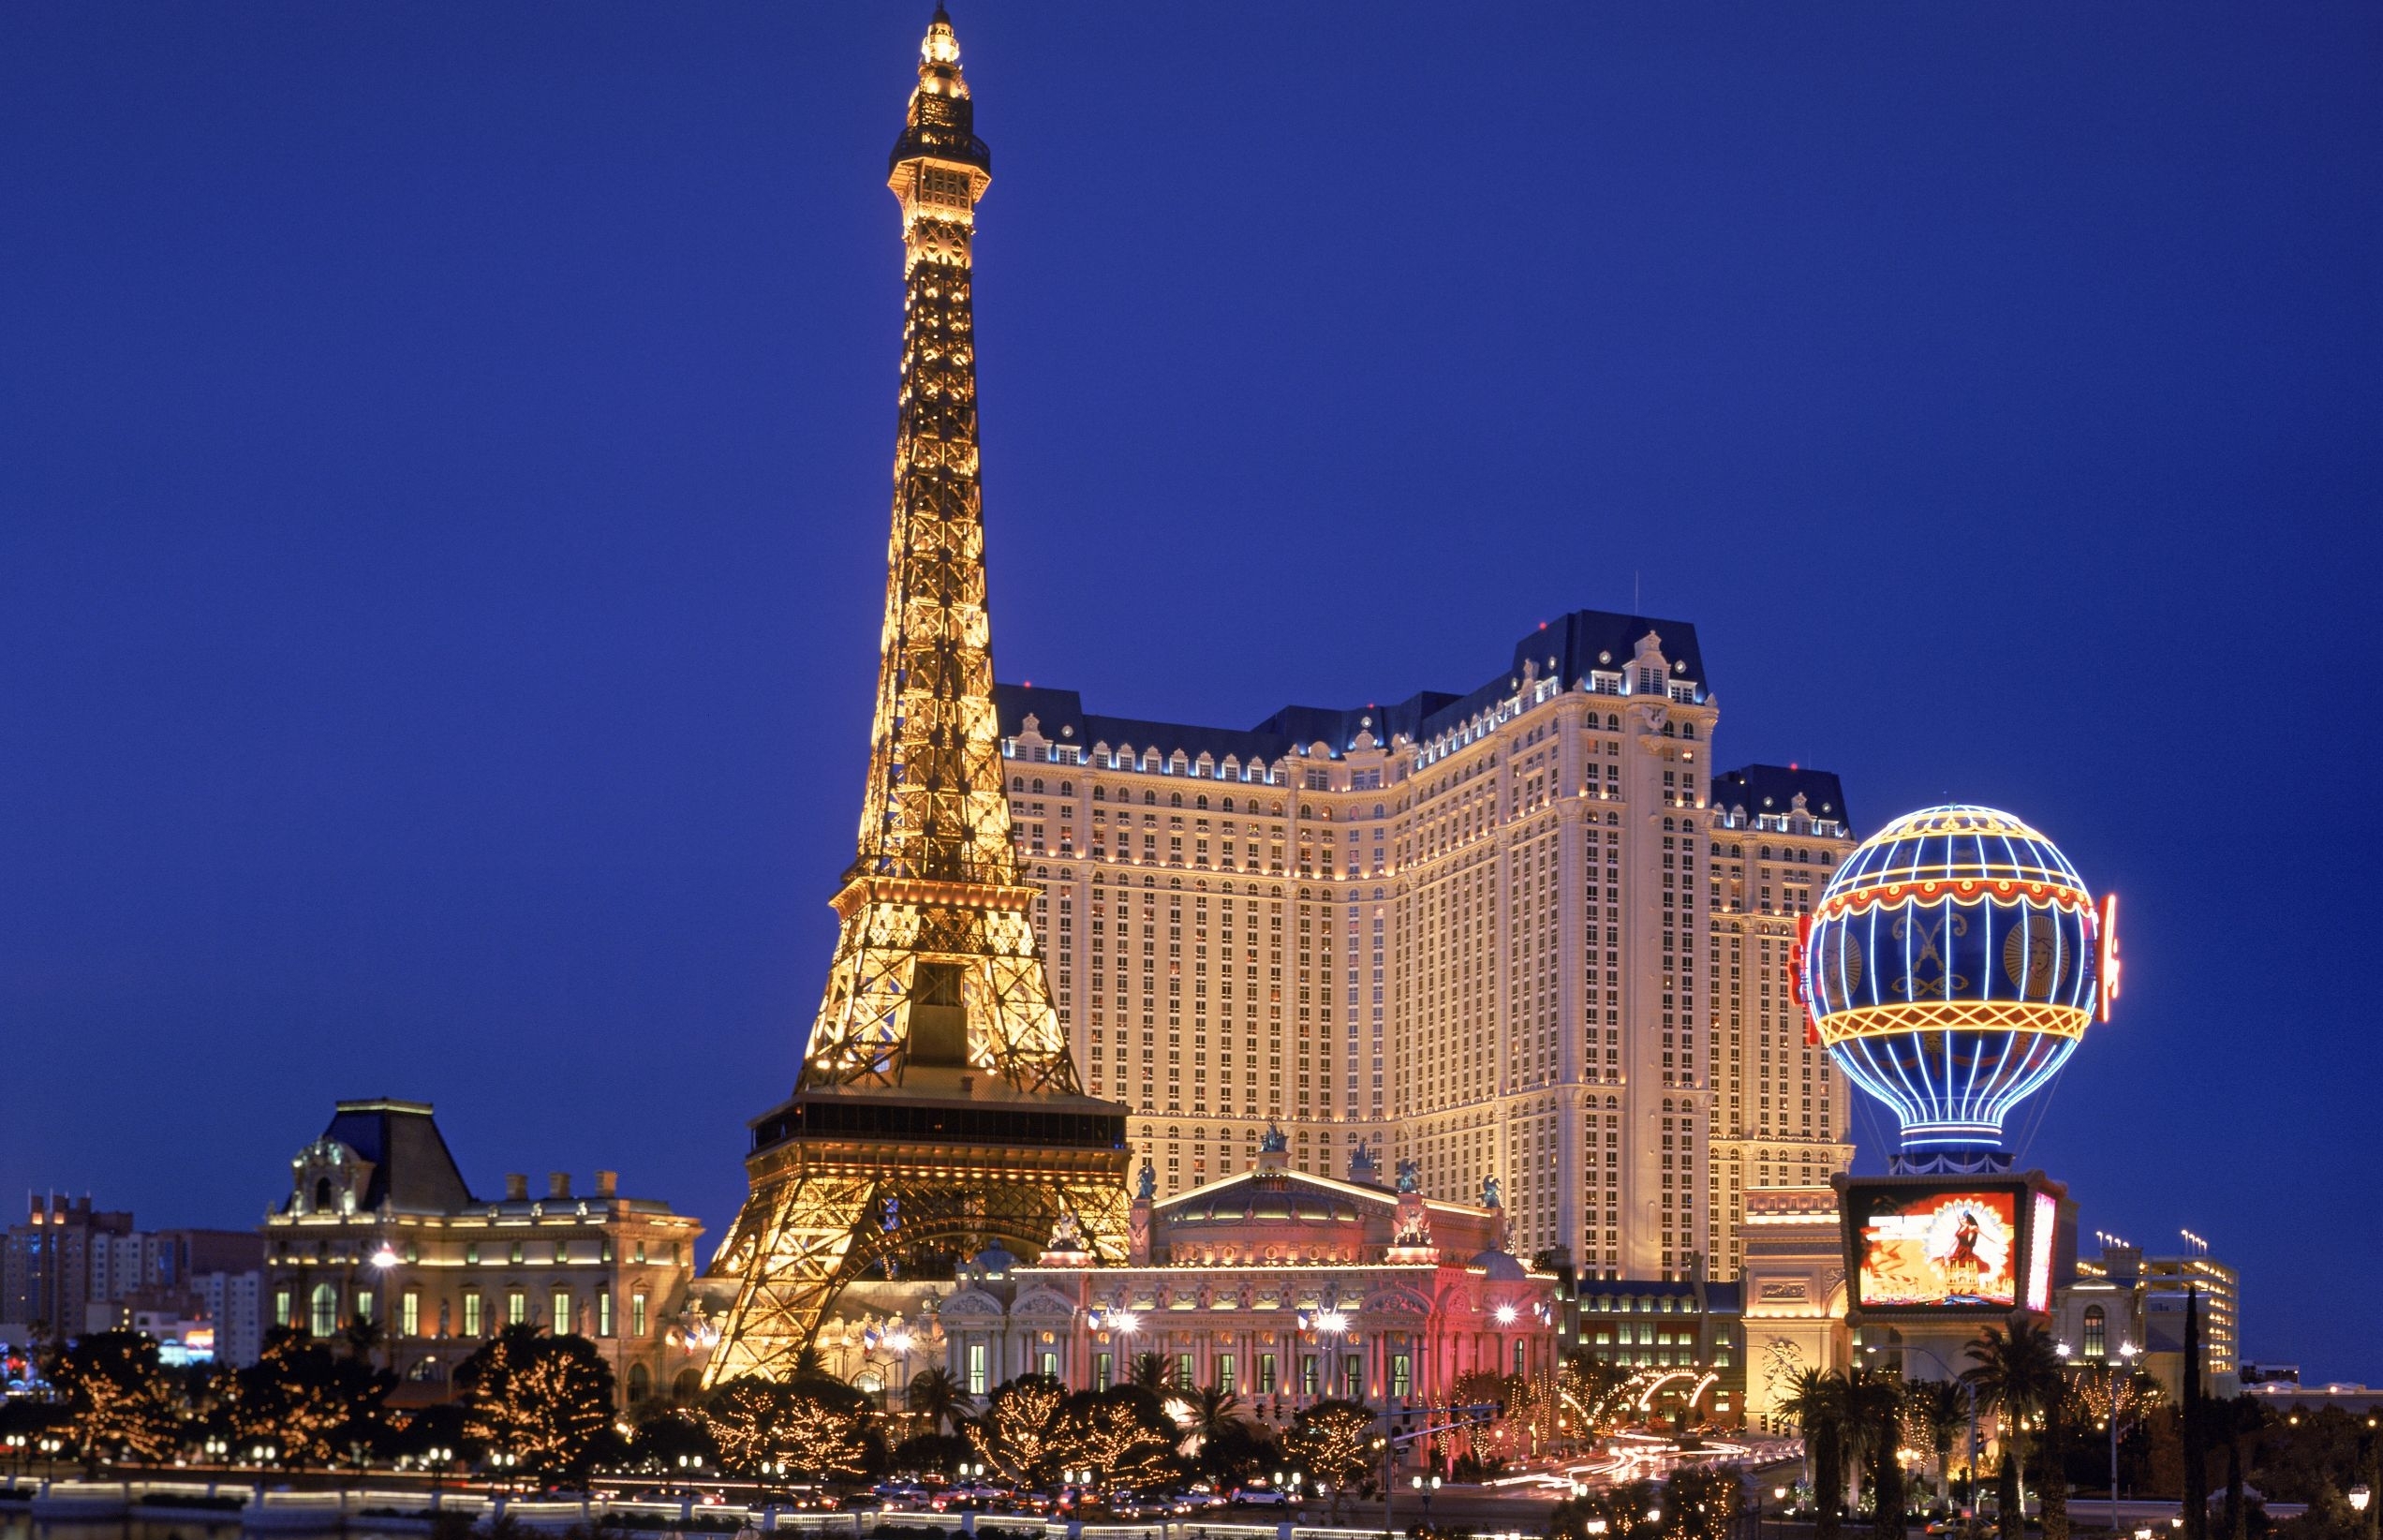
2044	1238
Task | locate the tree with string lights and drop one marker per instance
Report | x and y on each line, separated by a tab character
546	1400
1020	1434
1333	1442
121	1403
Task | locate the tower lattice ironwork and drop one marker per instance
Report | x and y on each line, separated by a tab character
938	1109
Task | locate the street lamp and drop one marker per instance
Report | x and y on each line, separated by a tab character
1329	1326
2359	1496
438	1458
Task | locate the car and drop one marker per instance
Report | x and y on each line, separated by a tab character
1259	1497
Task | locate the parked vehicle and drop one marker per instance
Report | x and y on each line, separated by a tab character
1259	1497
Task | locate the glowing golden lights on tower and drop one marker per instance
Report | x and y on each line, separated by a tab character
936	1000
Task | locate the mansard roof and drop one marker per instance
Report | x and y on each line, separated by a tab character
1772	788
411	1168
1569	649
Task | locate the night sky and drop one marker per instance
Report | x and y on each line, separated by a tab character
444	469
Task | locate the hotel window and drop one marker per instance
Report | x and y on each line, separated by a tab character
472	1314
281	1309
637	1314
1401	1375
562	1318
516	1307
1225	1373
1265	1373
323	1313
1103	1369
409	1313
976	1368
1183	1370
1051	1363
604	1313
2096	1332
1517	1356
1307	1374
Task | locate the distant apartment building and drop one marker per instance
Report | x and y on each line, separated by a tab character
377	1227
71	1269
1523	932
2127	1299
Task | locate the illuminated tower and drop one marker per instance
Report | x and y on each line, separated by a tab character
938	1109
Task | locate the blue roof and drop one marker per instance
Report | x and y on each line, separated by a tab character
1772	789
1566	649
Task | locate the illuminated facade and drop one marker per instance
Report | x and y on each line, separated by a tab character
2126	1303
937	1109
1521	933
1281	1286
377	1225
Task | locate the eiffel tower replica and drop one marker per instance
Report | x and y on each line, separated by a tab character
938	1109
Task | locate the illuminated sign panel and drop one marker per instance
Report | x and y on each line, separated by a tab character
1918	1247
1938	1248
2039	1261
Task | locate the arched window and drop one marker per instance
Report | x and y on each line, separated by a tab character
1228	805
322	1310
641	1384
1201	802
1175	799
2096	1332
323	1195
1038	783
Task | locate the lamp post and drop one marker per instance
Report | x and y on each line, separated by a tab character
1428	1484
384	1258
438	1458
1329	1326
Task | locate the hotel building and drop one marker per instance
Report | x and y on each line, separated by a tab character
1524	933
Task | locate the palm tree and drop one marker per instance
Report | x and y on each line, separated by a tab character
1151	1371
1816	1400
1216	1413
1873	1435
1936	1410
2018	1374
361	1336
935	1394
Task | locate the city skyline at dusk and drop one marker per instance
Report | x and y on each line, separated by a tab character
443	523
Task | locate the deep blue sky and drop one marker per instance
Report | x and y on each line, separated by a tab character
443	475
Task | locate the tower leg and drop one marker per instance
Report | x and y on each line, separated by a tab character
793	1250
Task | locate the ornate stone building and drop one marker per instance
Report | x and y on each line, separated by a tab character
1282	1286
378	1225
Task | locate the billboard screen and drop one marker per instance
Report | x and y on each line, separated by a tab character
1945	1247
